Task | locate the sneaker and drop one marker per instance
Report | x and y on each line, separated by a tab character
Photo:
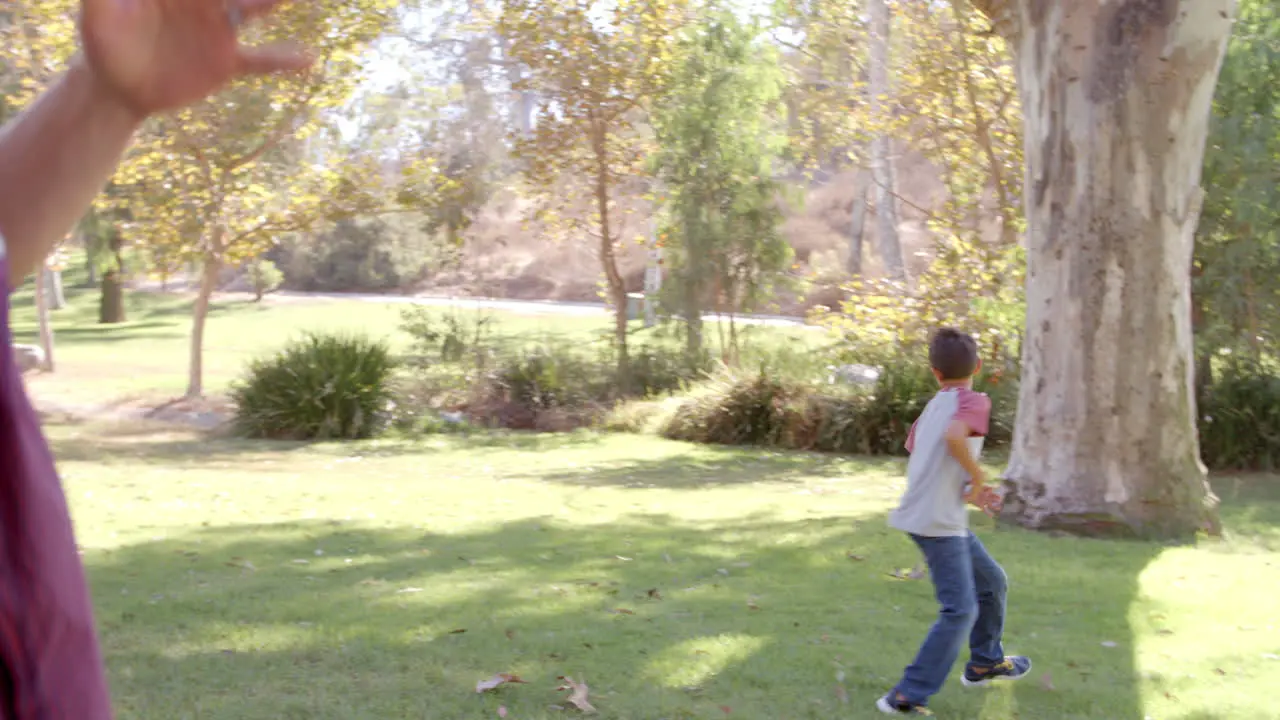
895	704
1014	667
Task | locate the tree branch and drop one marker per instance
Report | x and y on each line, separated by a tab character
278	134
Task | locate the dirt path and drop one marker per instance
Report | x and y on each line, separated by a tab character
202	415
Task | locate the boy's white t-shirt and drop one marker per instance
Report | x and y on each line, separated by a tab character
933	505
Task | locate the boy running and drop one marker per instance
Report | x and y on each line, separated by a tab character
942	475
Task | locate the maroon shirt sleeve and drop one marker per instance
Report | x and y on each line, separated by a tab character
48	644
974	410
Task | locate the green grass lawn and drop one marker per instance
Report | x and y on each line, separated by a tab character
384	580
146	358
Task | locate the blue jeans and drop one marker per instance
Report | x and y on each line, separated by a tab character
970	588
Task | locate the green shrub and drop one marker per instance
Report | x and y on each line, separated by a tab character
318	387
264	276
555	386
1240	419
547	377
738	409
761	409
452	336
363	254
655	370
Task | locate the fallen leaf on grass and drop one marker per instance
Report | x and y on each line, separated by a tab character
726	709
752	606
622	611
577	694
1164	632
457	631
1220	671
855	558
502	711
1046	682
403	591
497	681
1110	643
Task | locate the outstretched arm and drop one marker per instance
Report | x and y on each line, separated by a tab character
140	57
54	158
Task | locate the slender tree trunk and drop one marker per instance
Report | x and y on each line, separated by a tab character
982	133
42	318
881	145
90	266
857	223
652	272
200	313
111	304
608	257
1116	99
693	287
693	326
53	285
520	101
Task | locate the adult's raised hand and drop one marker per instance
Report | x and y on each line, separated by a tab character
156	55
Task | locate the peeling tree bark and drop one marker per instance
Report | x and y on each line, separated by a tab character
1116	98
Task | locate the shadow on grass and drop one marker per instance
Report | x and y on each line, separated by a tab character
664	617
153	442
717	466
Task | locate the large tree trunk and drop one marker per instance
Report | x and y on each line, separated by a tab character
881	145
1116	99
42	318
208	283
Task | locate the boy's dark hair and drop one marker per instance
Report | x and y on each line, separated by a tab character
953	354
